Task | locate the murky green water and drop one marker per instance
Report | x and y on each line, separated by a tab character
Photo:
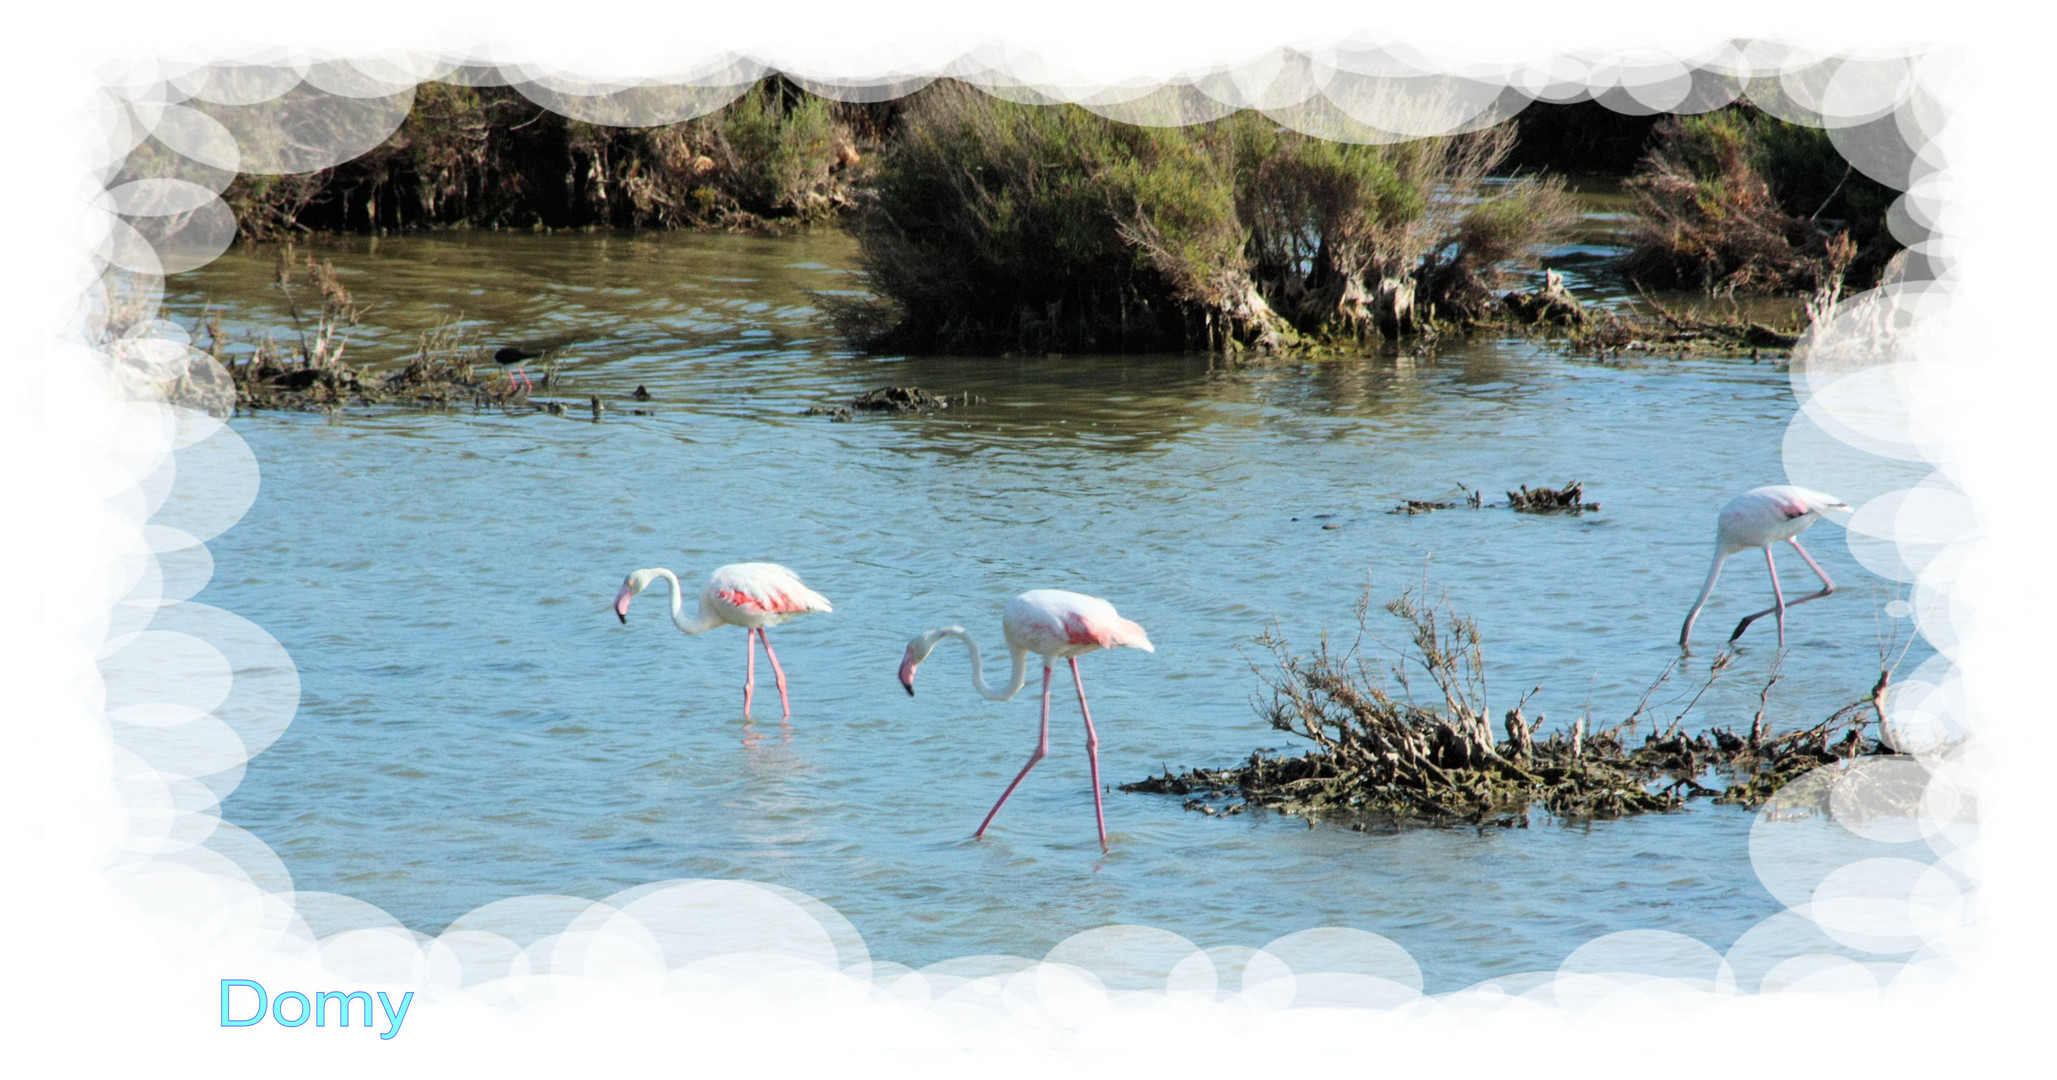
475	724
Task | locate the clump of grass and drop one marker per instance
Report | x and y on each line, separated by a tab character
1385	754
1739	201
999	226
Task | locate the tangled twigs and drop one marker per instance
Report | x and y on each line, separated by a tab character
1381	756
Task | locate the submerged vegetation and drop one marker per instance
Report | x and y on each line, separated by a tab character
1383	756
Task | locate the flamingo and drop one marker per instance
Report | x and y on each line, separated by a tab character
1759	518
515	357
750	595
1056	625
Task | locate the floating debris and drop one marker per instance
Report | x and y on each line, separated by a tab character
1568	499
1473	499
894	399
1542	500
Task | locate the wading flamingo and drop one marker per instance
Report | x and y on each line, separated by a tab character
750	595
1759	518
516	358
1057	625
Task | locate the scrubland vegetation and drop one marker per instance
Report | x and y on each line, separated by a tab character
986	225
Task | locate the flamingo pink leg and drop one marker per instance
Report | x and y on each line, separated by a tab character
777	672
1828	587
1092	751
749	667
1042	748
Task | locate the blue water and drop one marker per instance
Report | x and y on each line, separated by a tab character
475	724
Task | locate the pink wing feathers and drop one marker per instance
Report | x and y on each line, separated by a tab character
1056	622
1793	507
1107	632
766	588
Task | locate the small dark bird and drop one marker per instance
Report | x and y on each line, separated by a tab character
515	357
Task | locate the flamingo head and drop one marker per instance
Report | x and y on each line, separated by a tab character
919	649
636	583
910	661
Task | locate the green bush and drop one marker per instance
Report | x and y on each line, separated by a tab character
1737	200
997	226
779	156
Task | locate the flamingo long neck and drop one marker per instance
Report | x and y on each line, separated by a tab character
1721	555
700	624
978	671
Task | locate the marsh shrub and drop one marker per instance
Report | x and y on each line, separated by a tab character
486	156
997	225
779	155
992	225
1737	200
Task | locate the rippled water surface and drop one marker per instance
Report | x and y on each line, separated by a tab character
475	724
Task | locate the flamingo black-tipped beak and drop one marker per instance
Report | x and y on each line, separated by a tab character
910	688
623	616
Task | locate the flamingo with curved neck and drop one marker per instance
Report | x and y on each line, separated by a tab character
1057	625
1759	518
750	595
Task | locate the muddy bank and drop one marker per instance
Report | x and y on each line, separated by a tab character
1385	759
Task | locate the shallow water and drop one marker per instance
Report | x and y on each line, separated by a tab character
475	724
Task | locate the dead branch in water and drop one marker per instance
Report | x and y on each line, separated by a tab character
1380	755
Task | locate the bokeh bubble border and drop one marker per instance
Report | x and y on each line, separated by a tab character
192	692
